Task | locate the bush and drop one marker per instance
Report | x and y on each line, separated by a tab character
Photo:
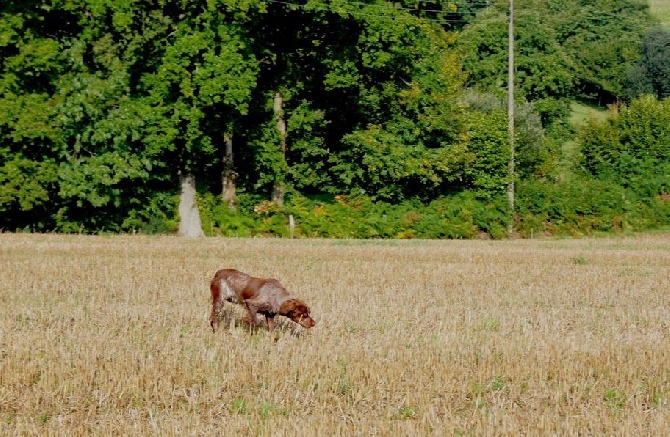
584	206
458	216
158	216
578	207
631	148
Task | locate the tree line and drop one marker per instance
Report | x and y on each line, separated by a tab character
386	117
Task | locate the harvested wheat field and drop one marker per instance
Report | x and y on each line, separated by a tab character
110	336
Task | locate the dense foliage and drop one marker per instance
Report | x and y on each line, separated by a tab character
651	74
395	121
631	147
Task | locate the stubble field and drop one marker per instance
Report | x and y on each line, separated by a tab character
110	336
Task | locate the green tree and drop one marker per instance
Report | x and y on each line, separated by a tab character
602	38
287	135
357	81
486	171
401	81
651	74
562	48
201	86
30	60
108	172
542	67
534	153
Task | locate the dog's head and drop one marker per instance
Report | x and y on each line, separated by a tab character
296	310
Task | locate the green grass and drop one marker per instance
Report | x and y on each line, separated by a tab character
661	9
581	113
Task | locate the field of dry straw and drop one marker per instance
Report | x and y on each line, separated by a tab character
110	336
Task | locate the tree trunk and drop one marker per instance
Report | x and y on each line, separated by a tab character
279	190
229	176
189	216
278	193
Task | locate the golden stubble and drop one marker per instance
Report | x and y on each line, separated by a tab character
110	335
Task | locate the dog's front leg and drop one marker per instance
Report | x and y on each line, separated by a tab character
270	321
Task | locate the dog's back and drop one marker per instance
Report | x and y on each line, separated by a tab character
226	285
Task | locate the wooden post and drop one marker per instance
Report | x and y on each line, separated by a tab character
510	117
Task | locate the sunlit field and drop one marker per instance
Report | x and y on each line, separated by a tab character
110	336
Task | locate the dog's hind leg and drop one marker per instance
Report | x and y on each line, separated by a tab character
251	314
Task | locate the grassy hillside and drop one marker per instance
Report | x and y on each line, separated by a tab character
661	8
580	113
110	336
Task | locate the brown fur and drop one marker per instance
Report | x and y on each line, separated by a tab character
258	295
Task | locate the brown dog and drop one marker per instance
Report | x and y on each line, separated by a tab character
257	295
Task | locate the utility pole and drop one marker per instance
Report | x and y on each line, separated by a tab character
510	116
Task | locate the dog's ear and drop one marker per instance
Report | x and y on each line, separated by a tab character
288	306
